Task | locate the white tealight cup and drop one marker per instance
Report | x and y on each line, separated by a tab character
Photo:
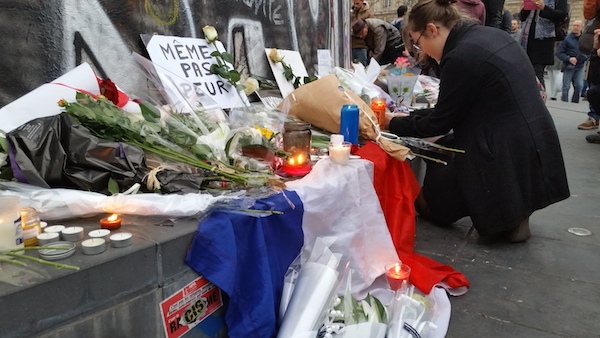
93	246
47	237
100	233
72	234
54	228
121	239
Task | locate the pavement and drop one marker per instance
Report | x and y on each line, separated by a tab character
548	286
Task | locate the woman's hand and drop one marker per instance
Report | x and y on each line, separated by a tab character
539	4
389	117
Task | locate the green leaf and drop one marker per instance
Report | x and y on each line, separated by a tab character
289	75
215	53
150	112
234	75
227	57
113	186
214	69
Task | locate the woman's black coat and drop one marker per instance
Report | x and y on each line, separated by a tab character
513	163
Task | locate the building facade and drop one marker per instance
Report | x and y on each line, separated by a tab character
386	9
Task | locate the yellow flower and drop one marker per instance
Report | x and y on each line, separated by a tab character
275	55
250	86
210	34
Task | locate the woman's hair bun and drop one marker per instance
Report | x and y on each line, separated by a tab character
445	2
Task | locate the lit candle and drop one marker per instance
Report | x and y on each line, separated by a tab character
378	107
396	274
297	165
112	222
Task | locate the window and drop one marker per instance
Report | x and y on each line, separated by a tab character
387	3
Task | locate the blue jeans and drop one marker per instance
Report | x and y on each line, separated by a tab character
360	54
572	75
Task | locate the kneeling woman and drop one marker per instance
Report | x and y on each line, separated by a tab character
490	100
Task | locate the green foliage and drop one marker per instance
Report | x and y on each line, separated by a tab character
113	186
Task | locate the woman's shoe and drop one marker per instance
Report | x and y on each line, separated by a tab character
519	234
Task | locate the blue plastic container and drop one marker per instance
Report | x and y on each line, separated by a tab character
349	123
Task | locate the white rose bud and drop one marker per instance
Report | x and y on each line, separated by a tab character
275	55
210	34
250	86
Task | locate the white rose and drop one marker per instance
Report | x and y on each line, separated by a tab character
250	86
210	34
275	55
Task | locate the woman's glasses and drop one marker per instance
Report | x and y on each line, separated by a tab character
415	44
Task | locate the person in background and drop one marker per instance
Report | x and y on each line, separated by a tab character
401	12
360	10
512	164
383	41
538	32
515	29
555	75
572	63
593	93
591	9
493	12
506	20
474	8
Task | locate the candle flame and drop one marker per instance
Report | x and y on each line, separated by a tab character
397	268
296	160
113	217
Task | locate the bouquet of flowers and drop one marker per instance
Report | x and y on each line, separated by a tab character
401	81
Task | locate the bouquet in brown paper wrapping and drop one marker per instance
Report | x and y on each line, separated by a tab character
320	103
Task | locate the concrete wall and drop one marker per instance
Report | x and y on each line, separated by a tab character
42	40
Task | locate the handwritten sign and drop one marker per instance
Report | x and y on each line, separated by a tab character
185	309
188	61
324	62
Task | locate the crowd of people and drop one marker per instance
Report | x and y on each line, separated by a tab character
513	164
534	28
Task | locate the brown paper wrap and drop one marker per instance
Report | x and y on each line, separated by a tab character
320	103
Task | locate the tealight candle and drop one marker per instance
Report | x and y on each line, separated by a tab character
47	237
100	233
397	274
112	222
297	165
93	246
72	234
55	228
120	239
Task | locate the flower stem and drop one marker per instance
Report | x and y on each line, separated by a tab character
43	261
12	261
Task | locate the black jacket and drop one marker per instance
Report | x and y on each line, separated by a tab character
541	51
513	163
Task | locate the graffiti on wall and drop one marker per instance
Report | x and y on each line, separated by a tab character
44	39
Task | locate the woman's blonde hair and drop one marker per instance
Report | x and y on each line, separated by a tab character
444	12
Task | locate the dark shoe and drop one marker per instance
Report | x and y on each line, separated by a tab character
594	138
519	234
553	98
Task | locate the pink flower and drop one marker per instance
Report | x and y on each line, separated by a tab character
402	62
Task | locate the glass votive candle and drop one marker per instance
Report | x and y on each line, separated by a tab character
397	274
378	107
339	151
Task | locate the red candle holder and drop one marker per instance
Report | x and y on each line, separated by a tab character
112	222
297	165
397	274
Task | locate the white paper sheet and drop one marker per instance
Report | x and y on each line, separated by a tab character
292	59
43	101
